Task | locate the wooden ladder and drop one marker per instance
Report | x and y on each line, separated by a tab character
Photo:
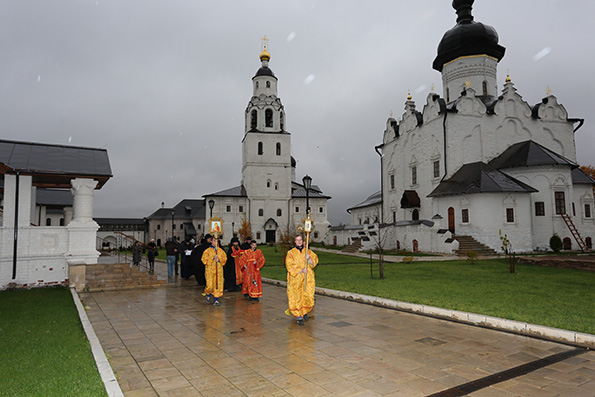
575	233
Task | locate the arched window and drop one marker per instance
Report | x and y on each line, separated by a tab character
253	118
415	246
261	212
279	212
260	149
484	87
257	84
567	243
48	222
447	95
268	118
415	215
61	221
589	242
278	149
268	84
269	183
276	186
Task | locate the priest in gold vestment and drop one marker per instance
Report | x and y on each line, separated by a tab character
300	263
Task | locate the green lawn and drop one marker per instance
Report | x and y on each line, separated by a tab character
43	348
560	298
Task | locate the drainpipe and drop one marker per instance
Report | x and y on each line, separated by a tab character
16	227
376	148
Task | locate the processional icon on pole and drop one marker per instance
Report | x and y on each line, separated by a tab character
306	227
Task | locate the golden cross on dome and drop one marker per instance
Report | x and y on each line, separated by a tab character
265	41
391	114
507	76
432	89
467	83
548	90
408	95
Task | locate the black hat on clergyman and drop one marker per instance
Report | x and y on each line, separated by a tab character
208	236
248	238
235	240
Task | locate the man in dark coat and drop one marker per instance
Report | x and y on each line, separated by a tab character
230	279
246	244
199	267
185	250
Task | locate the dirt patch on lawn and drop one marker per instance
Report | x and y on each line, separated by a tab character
582	262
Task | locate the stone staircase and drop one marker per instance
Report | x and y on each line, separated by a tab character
355	246
117	276
468	243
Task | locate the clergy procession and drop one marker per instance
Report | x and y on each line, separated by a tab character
238	269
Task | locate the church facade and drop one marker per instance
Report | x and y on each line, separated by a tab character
480	162
268	197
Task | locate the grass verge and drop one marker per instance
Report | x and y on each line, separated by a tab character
43	348
560	298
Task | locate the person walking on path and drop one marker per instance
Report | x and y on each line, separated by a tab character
185	250
151	254
136	253
232	278
214	259
197	263
300	264
171	249
252	261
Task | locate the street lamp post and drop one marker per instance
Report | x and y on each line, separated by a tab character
307	180
211	205
172	212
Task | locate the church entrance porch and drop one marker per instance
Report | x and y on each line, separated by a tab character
270	228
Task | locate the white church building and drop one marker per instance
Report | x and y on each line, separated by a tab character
481	162
269	196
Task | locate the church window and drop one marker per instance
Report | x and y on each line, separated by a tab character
447	95
573	210
539	208
414	175
297	209
61	221
279	212
278	149
228	208
269	183
465	215
415	215
241	208
260	148
268	84
315	234
509	215
268	118
394	216
173	226
321	209
198	226
587	210
258	235
158	227
276	186
566	244
48	222
589	242
392	181
484	87
260	212
360	221
436	168
560	203
253	119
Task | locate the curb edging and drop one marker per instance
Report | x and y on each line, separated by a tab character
112	387
517	327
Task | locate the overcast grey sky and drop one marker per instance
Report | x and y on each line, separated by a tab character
163	84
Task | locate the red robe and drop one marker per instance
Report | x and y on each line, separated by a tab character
236	254
252	262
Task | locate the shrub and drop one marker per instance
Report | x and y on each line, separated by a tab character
472	256
556	243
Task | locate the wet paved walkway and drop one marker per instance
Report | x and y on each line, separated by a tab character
168	341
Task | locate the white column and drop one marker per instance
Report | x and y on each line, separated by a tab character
82	230
82	190
68	211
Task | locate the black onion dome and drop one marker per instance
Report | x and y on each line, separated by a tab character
467	37
265	71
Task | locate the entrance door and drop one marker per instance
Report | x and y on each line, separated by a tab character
451	220
270	237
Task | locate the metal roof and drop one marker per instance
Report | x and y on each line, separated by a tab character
54	165
527	154
479	178
373	199
54	197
